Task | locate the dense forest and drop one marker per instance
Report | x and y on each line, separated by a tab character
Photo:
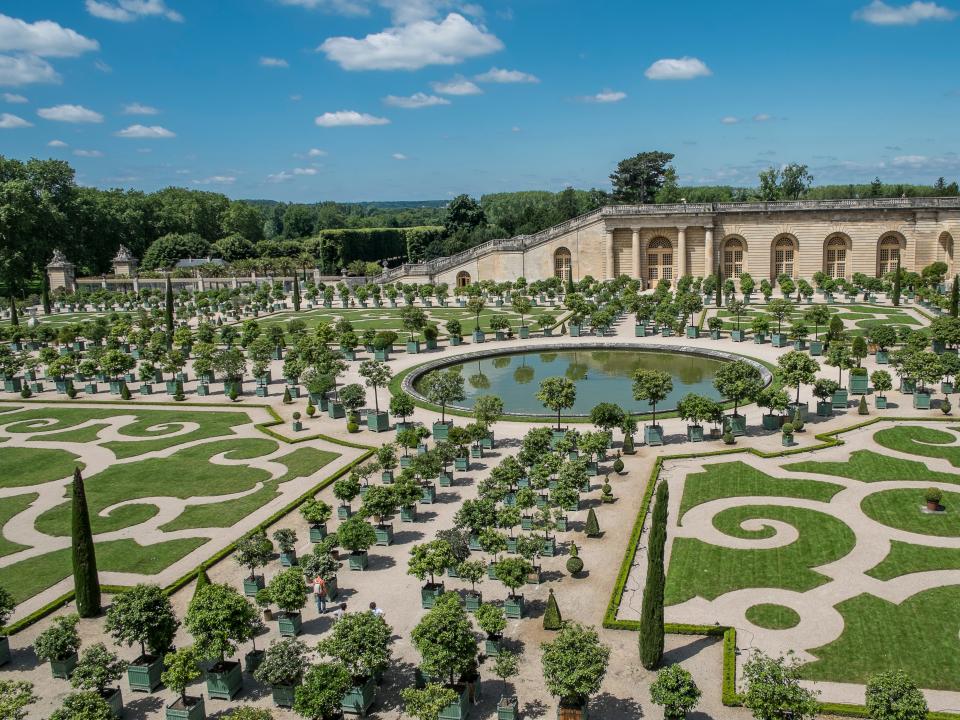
42	208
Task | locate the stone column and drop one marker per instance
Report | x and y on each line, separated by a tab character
708	252
681	251
636	254
608	245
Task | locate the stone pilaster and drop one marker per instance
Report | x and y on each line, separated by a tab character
708	252
681	251
636	253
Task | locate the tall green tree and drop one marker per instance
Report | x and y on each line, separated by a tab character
955	296
637	179
296	293
651	612
86	582
168	312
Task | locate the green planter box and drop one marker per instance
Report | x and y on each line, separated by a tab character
524	332
737	335
12	385
476	451
824	408
441	430
428	494
549	547
143	674
736	424
358	560
283	695
335	410
358	699
446	479
251	586
378	421
413	347
921	400
383	355
63	669
194	710
114	699
714	334
288	559
779	340
224	681
384	534
693	331
4	650
771	422
786	440
513	607
456	340
574	330
318	531
639	331
344	512
859	384
408	513
459	709
508	709
799	345
492	645
252	660
472	601
429	594
839	399
881	403
695	433
946	387
883	357
653	435
816	347
461	464
759	338
908	386
526	522
289	624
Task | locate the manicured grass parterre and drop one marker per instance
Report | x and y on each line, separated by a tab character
773	616
22	467
903	509
905	558
702	569
918	636
737	479
921	441
10	507
870	466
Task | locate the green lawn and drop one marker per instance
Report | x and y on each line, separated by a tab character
737	479
919	637
905	558
901	509
302	462
870	466
773	616
921	441
861	316
26	578
8	508
701	569
20	467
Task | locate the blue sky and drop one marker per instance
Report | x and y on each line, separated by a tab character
312	100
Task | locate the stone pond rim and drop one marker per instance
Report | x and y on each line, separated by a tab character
409	381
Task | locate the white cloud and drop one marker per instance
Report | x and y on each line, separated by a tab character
9	122
304	171
43	38
144	151
498	75
139	109
762	117
515	128
316	152
296	98
415	101
130	10
911	160
413	46
145	132
70	114
103	67
345	118
729	120
280	177
272	62
342	7
16	70
685	68
88	153
605	96
879	13
14	99
457	86
399	156
216	180
57	144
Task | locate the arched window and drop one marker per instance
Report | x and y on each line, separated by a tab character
784	257
659	260
835	257
945	251
734	254
888	252
463	279
562	264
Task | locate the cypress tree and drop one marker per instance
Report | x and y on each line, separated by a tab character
719	299
202	579
955	297
14	320
896	285
296	293
168	312
551	616
592	528
45	292
86	583
651	613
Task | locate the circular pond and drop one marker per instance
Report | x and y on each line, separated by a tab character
600	374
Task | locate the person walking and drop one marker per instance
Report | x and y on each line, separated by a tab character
375	610
320	593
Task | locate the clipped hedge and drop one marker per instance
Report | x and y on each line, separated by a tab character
338	248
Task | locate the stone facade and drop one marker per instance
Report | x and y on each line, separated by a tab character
651	242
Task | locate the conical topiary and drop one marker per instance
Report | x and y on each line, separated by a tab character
86	582
202	579
651	612
286	396
592	528
124	392
551	617
862	408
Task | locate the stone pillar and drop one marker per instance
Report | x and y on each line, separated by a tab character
136	284
681	251
636	254
708	252
608	246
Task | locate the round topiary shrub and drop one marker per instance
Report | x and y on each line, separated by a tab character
618	466
296	416
353	427
787	429
945	406
311	410
574	565
728	438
